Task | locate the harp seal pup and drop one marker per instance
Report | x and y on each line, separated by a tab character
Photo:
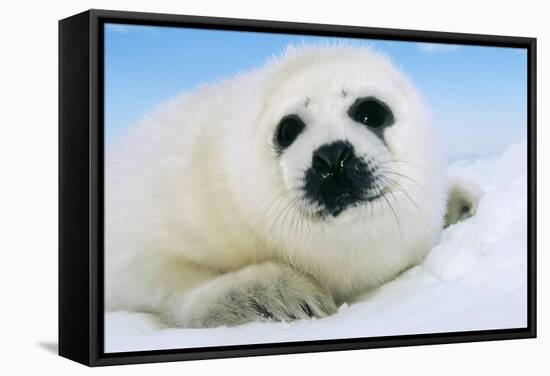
277	194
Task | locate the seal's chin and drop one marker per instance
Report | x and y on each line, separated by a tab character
344	203
348	201
341	202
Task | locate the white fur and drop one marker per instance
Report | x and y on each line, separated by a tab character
196	195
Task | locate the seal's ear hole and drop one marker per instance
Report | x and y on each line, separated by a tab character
462	201
464	210
288	130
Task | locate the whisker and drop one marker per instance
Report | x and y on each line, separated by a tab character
391	172
287	210
278	197
400	188
281	199
395	215
395	161
396	185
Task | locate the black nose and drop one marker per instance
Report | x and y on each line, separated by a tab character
337	178
332	157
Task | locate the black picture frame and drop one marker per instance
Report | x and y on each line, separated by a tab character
81	187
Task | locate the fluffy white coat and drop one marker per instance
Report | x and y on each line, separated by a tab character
202	225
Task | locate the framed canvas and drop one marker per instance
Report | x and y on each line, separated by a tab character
234	187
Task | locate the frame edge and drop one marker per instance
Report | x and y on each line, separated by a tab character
74	190
84	345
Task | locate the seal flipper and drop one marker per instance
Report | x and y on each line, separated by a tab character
462	201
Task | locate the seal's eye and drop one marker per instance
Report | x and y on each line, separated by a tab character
371	112
288	130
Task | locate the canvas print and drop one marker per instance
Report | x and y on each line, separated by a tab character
267	188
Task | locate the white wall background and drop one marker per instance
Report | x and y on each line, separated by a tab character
28	186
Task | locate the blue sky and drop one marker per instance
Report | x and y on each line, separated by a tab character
477	95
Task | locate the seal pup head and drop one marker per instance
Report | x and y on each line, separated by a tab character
346	131
343	170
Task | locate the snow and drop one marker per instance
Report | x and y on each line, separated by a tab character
475	278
